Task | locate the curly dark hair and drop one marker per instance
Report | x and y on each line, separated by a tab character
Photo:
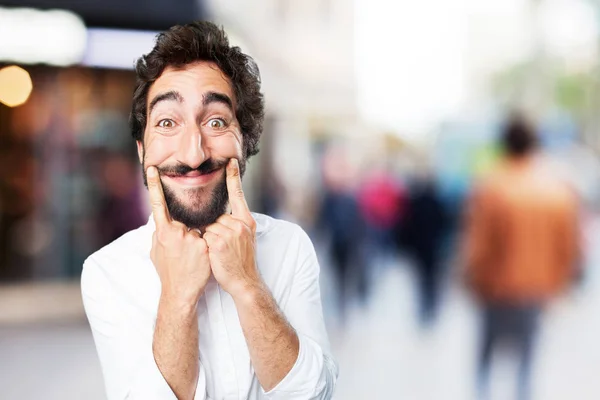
202	41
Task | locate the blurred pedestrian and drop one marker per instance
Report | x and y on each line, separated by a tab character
381	200
521	248
421	235
339	217
340	220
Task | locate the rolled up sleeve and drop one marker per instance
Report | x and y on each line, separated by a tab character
125	352
315	371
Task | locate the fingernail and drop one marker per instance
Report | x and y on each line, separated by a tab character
151	172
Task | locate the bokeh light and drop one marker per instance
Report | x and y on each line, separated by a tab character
15	86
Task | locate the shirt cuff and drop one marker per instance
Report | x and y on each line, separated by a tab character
312	376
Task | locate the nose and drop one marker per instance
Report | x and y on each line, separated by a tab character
192	151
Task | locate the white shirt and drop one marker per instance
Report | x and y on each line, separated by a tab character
121	291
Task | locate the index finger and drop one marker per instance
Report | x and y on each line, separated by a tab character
237	200
157	198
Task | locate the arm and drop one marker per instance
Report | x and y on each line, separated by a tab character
272	341
175	346
180	257
314	374
289	363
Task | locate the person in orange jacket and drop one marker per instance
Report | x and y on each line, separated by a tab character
521	247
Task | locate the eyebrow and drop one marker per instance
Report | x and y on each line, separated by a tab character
171	95
216	97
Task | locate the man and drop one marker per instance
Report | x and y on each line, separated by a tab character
201	303
521	248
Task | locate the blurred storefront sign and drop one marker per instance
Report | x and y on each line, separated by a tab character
29	36
100	50
110	34
130	14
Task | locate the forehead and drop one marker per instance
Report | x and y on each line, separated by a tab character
192	81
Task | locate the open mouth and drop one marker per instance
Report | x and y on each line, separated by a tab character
194	178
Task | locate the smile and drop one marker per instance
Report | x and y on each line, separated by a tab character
194	178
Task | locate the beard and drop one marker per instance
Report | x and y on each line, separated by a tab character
203	205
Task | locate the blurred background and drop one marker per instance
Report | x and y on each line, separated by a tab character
381	115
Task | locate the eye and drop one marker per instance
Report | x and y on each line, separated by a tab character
217	123
166	123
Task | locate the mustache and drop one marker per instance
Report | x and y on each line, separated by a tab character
180	169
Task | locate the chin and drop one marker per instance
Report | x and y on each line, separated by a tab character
195	198
197	207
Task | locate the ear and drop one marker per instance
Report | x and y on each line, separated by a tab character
140	149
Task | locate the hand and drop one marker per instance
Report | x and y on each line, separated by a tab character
231	240
180	256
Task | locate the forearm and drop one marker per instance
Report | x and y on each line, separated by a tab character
175	346
272	341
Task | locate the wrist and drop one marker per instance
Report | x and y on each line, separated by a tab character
249	293
178	304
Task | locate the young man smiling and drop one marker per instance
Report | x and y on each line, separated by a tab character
208	300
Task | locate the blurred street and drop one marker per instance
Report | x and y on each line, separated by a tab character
384	356
382	353
50	361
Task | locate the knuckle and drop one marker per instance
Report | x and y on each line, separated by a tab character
208	237
178	225
203	246
235	172
155	203
162	235
177	229
220	244
210	229
238	228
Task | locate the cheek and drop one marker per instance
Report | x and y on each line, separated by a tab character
226	146
159	149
